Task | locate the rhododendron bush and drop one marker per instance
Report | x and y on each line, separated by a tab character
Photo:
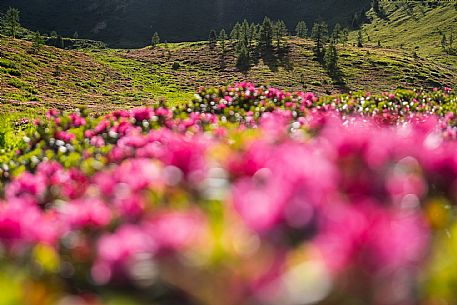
246	195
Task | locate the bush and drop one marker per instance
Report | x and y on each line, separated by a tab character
176	65
245	185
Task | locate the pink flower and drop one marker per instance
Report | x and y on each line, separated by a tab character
10	223
86	213
142	114
115	251
130	205
371	238
260	206
97	141
65	136
77	120
27	186
174	230
52	113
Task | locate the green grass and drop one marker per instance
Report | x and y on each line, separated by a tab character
370	68
417	29
146	82
14	125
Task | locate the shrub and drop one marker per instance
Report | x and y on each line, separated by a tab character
252	186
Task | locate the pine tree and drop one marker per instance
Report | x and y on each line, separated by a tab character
331	59
155	40
10	21
253	33
38	42
212	39
279	31
345	36
337	33
235	33
266	34
243	60
320	36
359	39
301	29
245	34
222	39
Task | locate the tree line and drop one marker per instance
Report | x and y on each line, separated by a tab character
250	40
448	44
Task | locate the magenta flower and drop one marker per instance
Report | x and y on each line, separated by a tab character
115	251
142	114
174	230
259	205
27	186
86	213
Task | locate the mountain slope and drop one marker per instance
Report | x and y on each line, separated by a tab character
56	77
374	69
414	27
108	79
131	23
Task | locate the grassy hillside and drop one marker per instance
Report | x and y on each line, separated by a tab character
60	78
413	27
370	68
108	79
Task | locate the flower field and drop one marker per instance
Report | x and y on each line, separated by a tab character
245	195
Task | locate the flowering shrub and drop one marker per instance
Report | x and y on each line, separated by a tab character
244	196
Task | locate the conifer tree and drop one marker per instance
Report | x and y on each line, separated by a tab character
320	36
331	59
345	36
301	29
243	59
245	34
10	21
359	39
337	33
235	33
253	33
266	34
37	43
212	39
222	39
279	31
155	39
